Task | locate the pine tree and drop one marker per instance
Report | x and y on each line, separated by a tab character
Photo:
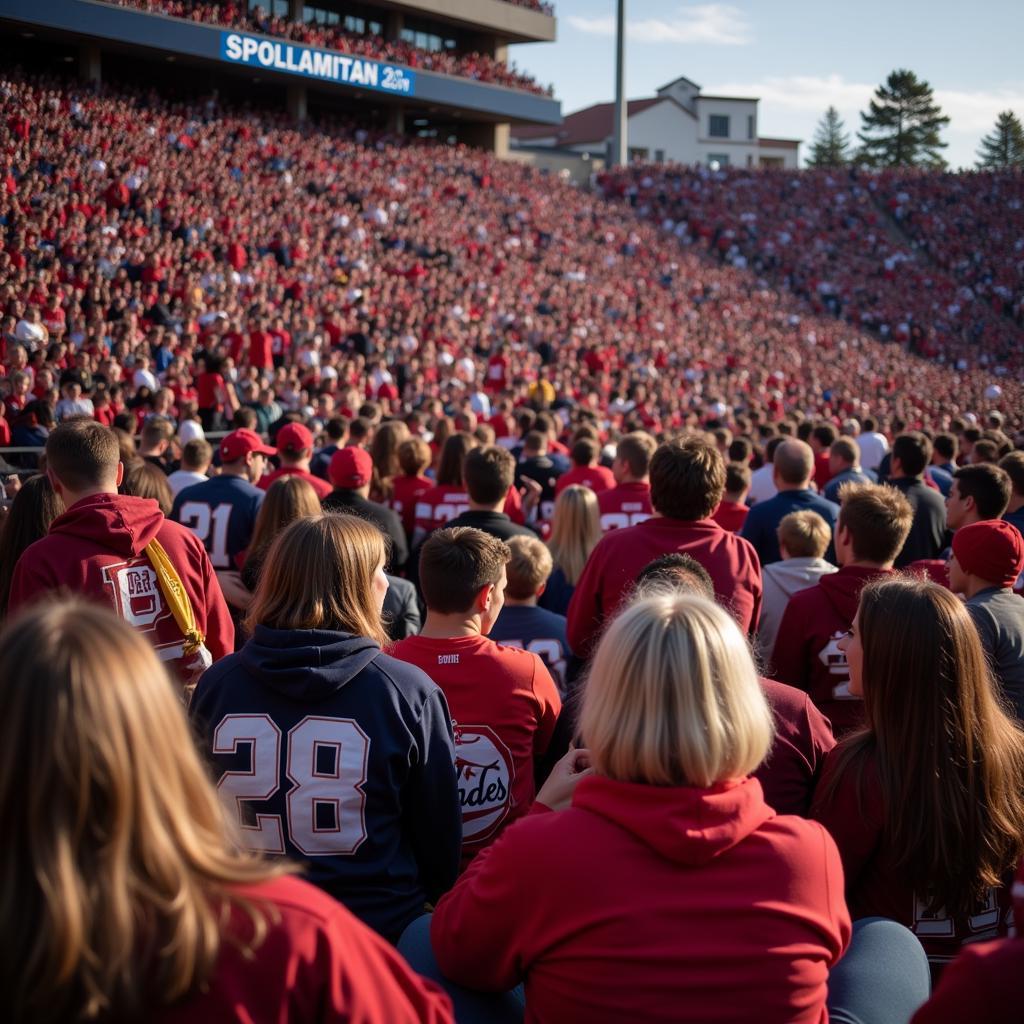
1005	146
901	127
831	145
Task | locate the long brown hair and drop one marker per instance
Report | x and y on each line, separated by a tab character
449	469
34	507
949	759
288	498
118	853
319	574
384	450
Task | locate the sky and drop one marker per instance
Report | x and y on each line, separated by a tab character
798	56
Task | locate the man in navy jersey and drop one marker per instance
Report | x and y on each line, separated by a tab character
521	623
221	511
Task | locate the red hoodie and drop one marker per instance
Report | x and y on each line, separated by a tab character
316	962
620	554
986	981
96	549
807	654
639	900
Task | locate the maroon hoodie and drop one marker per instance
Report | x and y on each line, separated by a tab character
96	549
639	899
807	654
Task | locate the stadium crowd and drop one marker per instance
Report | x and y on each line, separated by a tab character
519	614
482	67
950	284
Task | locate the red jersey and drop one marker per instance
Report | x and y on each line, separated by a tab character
615	563
625	505
315	962
444	502
261	349
807	654
504	705
322	487
406	491
209	391
875	886
497	373
597	478
638	900
97	549
730	515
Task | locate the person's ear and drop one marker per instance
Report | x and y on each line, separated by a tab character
120	474
483	598
541	589
58	487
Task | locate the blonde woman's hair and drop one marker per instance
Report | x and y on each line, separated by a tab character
575	530
673	698
118	856
319	575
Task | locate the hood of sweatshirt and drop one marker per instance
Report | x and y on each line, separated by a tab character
683	824
842	589
793	574
306	664
123	525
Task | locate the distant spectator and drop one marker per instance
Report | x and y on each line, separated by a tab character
732	509
910	456
34	508
575	531
585	469
844	468
1013	464
196	457
628	503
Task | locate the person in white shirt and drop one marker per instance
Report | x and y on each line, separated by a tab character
762	481
30	329
195	461
873	445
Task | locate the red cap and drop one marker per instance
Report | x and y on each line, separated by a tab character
239	443
350	468
992	549
294	438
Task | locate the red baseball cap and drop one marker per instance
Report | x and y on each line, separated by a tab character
239	443
294	438
350	468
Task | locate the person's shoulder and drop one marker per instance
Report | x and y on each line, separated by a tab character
788	703
300	904
408	679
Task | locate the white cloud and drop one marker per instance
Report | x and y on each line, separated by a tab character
793	104
716	24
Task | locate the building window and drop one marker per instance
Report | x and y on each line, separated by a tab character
718	126
750	126
721	159
659	156
638	154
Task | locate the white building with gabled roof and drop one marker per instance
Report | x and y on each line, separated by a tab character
679	124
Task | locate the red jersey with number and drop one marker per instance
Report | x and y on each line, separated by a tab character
597	478
624	505
807	654
504	705
444	502
874	885
406	492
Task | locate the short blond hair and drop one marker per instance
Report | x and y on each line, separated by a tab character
529	567
673	698
804	534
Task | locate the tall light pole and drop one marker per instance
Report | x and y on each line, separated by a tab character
619	129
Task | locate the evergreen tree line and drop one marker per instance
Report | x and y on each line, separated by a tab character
901	128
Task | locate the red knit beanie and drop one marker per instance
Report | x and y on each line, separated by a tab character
992	549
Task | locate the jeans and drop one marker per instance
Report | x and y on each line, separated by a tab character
882	979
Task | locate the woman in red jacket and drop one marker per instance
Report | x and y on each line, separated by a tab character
669	890
926	803
131	896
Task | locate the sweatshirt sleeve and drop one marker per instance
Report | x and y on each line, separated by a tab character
583	623
549	705
431	799
852	826
24	587
481	931
789	660
220	628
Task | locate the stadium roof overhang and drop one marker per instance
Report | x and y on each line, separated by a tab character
327	71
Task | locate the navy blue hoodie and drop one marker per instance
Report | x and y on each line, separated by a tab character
341	758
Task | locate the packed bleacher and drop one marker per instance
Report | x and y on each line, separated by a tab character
949	283
481	67
432	591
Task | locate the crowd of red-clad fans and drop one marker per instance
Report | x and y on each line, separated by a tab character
950	284
476	603
481	67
